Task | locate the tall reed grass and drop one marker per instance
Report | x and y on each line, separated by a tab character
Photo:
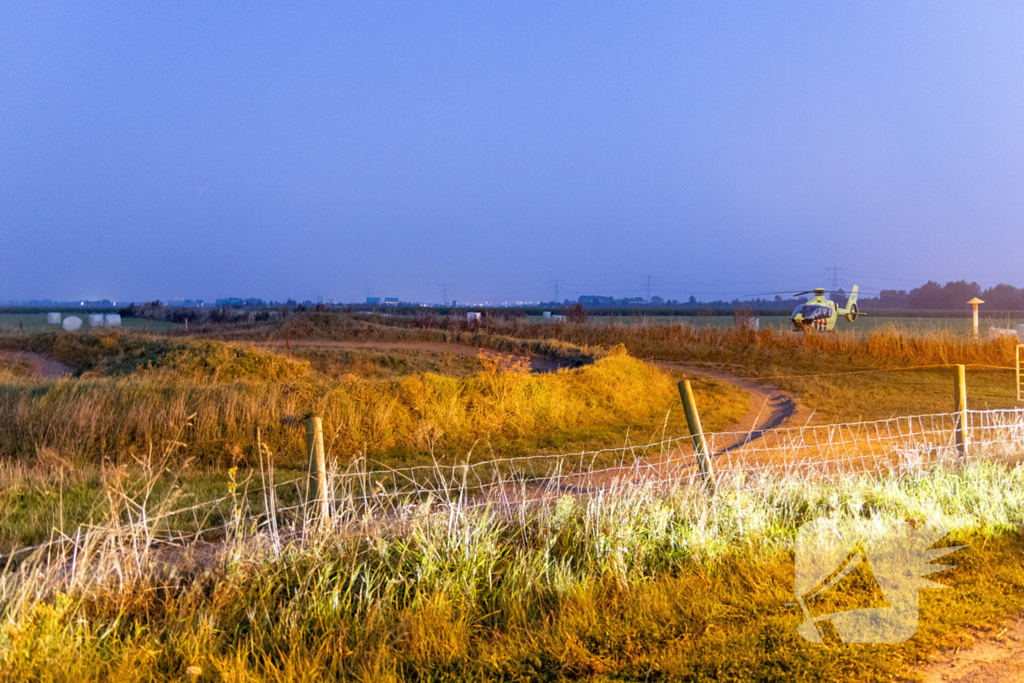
887	344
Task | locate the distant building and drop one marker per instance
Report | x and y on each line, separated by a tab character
236	301
391	301
373	300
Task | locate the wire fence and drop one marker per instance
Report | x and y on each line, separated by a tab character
740	460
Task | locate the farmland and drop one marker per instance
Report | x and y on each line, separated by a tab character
864	325
36	322
630	582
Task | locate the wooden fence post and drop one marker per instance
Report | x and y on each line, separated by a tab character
700	446
960	423
1017	370
317	493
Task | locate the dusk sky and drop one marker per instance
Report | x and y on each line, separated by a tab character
154	150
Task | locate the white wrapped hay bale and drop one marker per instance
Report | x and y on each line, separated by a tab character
112	320
53	318
72	323
997	333
95	320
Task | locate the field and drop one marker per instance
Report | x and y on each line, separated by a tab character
164	475
36	322
864	325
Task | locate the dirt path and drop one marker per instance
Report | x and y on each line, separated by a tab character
981	657
537	363
770	407
39	365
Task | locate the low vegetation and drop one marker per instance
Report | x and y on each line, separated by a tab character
634	584
815	367
118	354
391	363
136	392
637	585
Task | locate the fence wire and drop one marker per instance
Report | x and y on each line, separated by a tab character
739	460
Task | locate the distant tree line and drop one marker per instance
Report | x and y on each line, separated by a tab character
950	296
931	296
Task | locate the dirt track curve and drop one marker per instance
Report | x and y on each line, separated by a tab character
770	407
38	364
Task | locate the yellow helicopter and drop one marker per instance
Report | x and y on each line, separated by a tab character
820	314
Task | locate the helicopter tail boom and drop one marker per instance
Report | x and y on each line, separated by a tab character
851	312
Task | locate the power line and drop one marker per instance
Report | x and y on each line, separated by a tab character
556	283
649	279
834	273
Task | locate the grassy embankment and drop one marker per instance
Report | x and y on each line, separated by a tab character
134	390
771	353
633	586
201	401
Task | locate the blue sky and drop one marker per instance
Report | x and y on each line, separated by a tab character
153	150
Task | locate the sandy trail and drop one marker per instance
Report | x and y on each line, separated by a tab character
39	365
770	407
981	657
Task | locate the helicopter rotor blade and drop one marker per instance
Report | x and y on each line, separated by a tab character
788	291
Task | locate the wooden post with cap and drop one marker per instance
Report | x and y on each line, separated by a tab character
974	302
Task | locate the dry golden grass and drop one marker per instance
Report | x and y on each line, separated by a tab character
885	346
124	353
408	419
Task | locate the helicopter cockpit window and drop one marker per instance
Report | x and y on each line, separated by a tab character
810	312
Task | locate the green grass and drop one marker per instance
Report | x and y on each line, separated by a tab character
637	585
36	322
53	497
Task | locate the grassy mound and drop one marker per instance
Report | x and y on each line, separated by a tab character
346	327
503	410
125	353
